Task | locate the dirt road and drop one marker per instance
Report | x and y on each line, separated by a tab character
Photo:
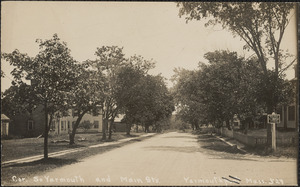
172	159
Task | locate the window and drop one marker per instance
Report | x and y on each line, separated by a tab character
53	125
68	124
96	124
62	125
30	125
291	113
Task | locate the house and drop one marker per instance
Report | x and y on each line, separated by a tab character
32	124
65	124
4	125
118	125
289	114
28	123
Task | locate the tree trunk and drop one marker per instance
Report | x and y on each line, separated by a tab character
228	124
196	126
72	135
104	127
46	132
137	128
146	128
284	117
110	129
50	122
128	127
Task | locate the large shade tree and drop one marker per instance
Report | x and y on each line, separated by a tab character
261	25
51	75
228	85
108	60
152	102
87	95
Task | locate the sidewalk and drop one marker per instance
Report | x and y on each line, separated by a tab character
64	152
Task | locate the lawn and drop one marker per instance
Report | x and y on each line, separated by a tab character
27	170
21	148
263	133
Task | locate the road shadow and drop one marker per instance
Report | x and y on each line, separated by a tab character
49	161
186	137
185	149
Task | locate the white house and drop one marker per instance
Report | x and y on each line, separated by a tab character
65	124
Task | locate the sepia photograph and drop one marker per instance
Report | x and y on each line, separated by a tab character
116	93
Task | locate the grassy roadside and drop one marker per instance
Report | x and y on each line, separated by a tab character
21	148
281	151
27	170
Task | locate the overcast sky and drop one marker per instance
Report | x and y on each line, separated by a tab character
152	30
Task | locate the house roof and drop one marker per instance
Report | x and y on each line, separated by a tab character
119	118
4	117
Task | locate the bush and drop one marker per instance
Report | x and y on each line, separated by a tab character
85	125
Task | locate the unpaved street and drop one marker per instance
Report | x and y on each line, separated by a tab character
172	159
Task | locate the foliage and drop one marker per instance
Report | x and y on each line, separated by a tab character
260	24
51	75
109	58
144	99
229	85
86	125
17	100
87	94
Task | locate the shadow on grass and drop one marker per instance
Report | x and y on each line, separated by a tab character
49	161
135	140
223	148
211	143
131	135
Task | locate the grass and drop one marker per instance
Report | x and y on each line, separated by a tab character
27	170
263	133
21	148
281	151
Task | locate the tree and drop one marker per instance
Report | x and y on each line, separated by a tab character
186	92
152	102
109	58
260	24
230	86
129	84
51	75
225	87
87	95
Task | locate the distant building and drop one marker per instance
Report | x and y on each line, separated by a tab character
4	125
119	126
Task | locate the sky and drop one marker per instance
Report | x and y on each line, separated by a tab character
150	29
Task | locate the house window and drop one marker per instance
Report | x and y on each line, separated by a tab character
68	124
30	125
291	113
53	125
96	124
62	125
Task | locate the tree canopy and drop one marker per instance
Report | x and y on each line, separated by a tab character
51	76
260	24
